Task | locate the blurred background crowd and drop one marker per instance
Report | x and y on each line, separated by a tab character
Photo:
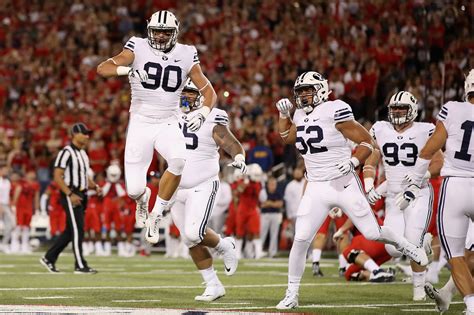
251	50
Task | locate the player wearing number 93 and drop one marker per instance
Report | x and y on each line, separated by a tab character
454	130
398	142
321	130
157	68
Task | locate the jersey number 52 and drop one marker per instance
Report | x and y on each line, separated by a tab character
316	136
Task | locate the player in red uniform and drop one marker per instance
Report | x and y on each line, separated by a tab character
92	225
57	216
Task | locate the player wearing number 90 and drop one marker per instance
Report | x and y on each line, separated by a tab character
454	130
321	130
398	142
157	67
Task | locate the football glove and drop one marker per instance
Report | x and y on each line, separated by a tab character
339	233
373	196
412	179
141	75
345	167
335	213
408	196
197	118
284	106
239	163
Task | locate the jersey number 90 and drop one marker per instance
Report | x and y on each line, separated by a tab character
157	79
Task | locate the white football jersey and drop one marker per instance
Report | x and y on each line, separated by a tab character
319	142
159	96
202	158
400	150
458	119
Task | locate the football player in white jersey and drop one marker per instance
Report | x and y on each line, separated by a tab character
196	195
397	142
157	67
454	130
321	129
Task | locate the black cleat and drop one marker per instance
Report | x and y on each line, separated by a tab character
85	271
342	272
316	270
380	275
48	265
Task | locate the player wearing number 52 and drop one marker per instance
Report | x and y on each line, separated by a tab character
157	68
454	131
321	130
398	142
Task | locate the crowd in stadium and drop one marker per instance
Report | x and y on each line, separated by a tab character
250	50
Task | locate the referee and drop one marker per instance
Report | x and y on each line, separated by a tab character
71	170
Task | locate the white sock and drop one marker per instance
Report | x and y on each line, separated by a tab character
388	236
418	278
442	261
342	261
450	286
296	264
25	237
469	301
316	255
160	205
370	265
238	246
223	245
257	243
433	268
209	275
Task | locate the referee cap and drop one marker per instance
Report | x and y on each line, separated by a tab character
80	128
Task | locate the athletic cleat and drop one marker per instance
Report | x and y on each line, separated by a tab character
415	253
442	298
317	270
152	233
380	275
289	301
419	294
85	271
212	293
342	272
231	262
49	265
141	212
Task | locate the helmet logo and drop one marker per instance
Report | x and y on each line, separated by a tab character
318	76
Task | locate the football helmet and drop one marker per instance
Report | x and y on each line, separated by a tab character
469	84
319	94
113	173
193	99
163	21
255	172
406	100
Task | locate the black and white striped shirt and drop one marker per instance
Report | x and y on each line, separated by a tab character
75	163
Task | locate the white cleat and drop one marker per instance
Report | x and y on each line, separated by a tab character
442	298
290	301
141	212
212	293
231	262
415	253
419	294
152	234
427	239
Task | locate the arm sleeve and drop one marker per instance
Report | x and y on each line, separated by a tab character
62	159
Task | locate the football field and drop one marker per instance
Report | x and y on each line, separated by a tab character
158	285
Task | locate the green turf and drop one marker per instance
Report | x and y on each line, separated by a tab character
257	286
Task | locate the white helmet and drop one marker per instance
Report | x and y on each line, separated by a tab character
318	83
402	99
469	84
187	105
255	172
113	173
164	21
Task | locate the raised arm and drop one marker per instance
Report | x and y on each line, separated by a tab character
286	127
204	86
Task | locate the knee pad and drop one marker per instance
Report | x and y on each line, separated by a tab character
191	239
392	251
175	166
135	193
353	255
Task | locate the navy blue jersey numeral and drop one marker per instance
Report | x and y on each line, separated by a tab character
155	76
462	154
390	152
317	136
192	136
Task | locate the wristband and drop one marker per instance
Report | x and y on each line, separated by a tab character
122	70
368	183
355	161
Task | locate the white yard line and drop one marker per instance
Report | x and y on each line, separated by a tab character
134	301
275	285
46	297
